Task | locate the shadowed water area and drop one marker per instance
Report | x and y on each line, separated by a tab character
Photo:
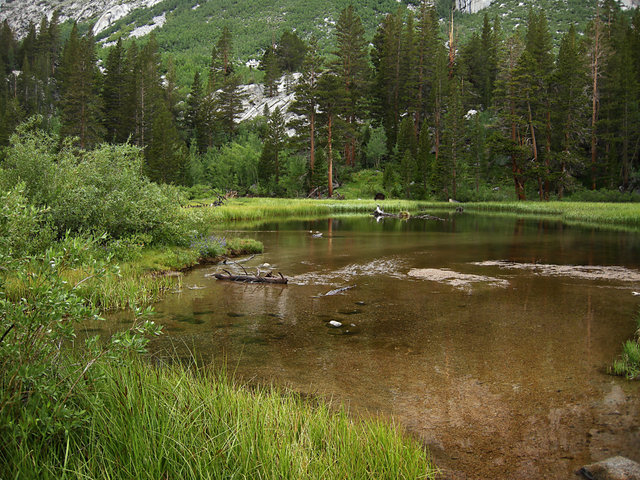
486	338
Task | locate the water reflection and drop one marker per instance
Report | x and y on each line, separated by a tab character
500	379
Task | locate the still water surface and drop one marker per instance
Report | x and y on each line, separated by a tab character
479	334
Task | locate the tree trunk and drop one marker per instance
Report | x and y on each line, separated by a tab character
534	147
594	93
330	159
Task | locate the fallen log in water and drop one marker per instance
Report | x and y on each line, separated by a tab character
379	213
268	278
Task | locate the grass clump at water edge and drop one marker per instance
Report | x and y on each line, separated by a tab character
172	422
628	365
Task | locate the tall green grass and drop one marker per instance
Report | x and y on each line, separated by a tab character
625	215
628	365
251	209
587	213
172	422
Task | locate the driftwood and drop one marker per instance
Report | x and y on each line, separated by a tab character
226	261
338	290
268	278
379	213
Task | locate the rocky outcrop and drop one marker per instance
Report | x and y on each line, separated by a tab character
472	6
20	13
631	3
255	99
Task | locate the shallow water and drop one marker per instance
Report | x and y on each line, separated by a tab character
482	336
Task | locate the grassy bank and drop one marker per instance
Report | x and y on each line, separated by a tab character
586	213
264	209
172	422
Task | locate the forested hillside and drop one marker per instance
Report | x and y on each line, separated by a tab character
406	104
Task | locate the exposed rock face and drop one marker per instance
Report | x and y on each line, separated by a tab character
472	6
256	99
20	13
631	3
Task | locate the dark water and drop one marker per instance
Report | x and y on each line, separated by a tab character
499	368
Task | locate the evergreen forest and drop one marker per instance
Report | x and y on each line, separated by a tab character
416	110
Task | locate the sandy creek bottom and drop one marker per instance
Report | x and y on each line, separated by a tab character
487	339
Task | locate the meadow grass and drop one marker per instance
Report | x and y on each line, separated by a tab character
178	422
248	209
584	213
625	215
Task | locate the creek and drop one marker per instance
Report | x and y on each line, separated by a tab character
487	338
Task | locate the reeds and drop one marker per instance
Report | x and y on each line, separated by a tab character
173	422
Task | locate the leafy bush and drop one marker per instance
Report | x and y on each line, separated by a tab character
99	191
363	184
24	228
39	404
128	248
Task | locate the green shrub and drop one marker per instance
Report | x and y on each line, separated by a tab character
363	184
100	191
24	228
38	382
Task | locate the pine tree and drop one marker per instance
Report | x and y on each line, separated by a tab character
228	105
331	98
271	69
306	102
80	102
597	51
535	69
569	106
424	160
453	141
511	141
113	95
195	115
407	151
352	69
290	52
621	104
387	61
224	49
165	153
275	140
148	89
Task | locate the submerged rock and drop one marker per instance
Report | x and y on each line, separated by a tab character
614	468
335	324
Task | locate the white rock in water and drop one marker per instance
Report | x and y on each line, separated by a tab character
335	324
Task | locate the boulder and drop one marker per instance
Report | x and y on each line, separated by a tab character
614	468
